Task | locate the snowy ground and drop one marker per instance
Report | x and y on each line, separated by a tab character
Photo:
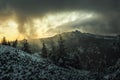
18	65
113	72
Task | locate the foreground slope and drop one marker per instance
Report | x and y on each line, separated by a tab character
18	65
113	72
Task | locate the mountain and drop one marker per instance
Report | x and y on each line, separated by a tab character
18	65
74	41
91	50
89	57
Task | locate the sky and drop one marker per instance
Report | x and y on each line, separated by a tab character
43	18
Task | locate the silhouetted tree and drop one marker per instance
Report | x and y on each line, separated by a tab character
26	46
4	42
8	43
15	43
44	51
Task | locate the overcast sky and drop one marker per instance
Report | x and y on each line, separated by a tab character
41	18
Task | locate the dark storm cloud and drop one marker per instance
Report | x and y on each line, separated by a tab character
41	6
25	9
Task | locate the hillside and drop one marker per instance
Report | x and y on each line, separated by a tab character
18	65
113	72
89	50
83	50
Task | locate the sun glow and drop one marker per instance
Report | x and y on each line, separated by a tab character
9	30
12	23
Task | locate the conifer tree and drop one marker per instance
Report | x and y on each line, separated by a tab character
61	54
26	46
15	43
44	51
52	54
4	42
8	43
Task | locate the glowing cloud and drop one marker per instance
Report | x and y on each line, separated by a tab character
52	21
9	30
38	27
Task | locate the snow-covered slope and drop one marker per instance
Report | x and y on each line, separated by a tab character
113	72
18	65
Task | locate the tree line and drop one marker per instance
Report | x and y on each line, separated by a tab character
94	59
25	45
56	55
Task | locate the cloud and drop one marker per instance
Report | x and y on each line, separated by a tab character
25	10
96	26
